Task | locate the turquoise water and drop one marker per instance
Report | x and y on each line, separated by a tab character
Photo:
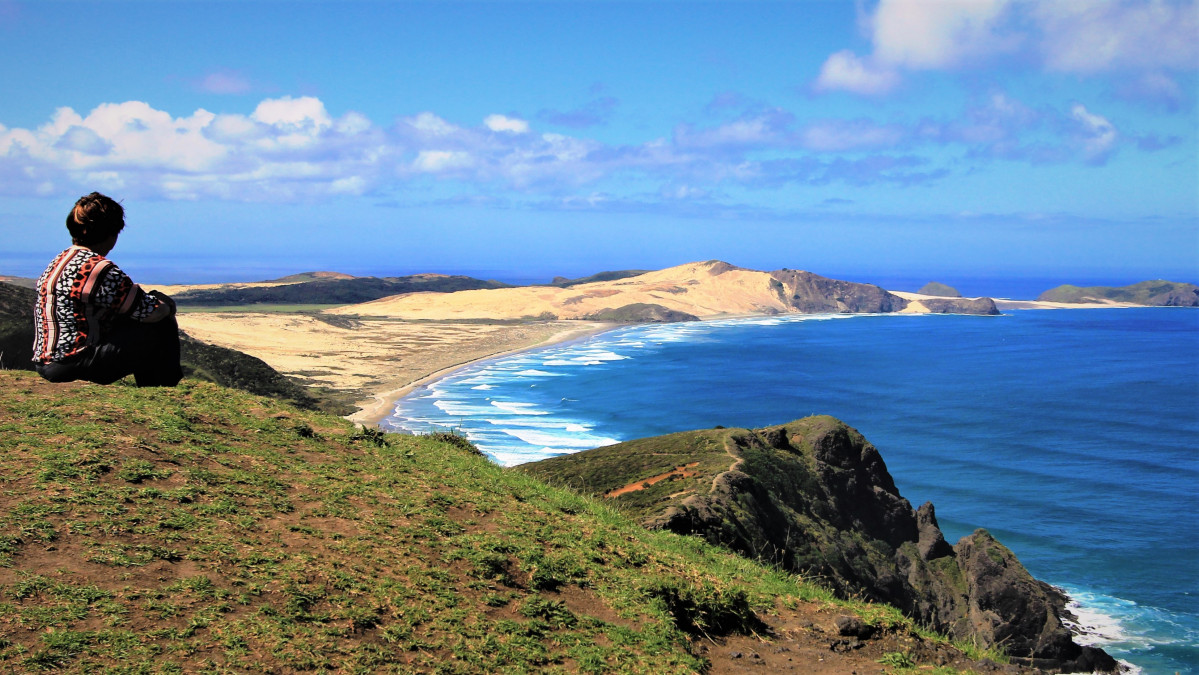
1073	436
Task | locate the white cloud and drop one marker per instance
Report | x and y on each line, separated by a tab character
352	123
1096	134
132	146
1088	36
84	140
294	149
506	124
297	122
1077	36
770	128
919	34
430	124
437	161
846	71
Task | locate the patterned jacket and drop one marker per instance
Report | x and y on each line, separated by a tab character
79	295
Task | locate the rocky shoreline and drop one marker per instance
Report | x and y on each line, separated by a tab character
815	498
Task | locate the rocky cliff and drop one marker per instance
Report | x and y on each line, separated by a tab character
815	497
813	294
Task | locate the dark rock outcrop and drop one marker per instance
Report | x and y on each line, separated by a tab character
983	306
811	293
815	497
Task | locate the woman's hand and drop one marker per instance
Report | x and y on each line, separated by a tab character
165	308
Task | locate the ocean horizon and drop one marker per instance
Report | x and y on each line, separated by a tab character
1069	434
152	269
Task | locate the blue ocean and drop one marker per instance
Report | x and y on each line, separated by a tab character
1072	435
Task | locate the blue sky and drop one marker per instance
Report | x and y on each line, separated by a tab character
872	140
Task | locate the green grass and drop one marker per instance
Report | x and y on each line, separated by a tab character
1143	293
200	529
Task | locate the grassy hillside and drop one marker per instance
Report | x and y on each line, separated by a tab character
23	282
200	360
325	290
939	289
815	497
1153	293
201	529
614	275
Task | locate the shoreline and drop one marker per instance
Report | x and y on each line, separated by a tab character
374	409
379	405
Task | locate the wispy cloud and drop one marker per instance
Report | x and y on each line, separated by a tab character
593	113
864	76
224	82
1094	133
294	149
1130	39
505	124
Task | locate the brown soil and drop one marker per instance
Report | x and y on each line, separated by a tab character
677	472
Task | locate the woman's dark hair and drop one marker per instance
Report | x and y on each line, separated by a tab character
94	219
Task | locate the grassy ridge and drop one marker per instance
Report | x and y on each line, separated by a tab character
331	291
1152	293
201	529
563	282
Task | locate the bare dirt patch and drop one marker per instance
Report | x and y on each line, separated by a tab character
674	474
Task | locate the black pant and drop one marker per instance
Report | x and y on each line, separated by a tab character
148	351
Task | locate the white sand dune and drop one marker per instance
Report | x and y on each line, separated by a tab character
704	289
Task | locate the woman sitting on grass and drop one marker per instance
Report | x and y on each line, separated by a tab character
91	321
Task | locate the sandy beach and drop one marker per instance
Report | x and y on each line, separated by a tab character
379	351
1005	303
377	360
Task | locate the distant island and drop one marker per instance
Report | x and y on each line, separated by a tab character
939	289
1157	293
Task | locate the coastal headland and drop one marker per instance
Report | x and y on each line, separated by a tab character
361	343
199	528
376	351
952	588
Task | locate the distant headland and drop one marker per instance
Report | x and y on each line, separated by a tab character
362	342
1157	293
